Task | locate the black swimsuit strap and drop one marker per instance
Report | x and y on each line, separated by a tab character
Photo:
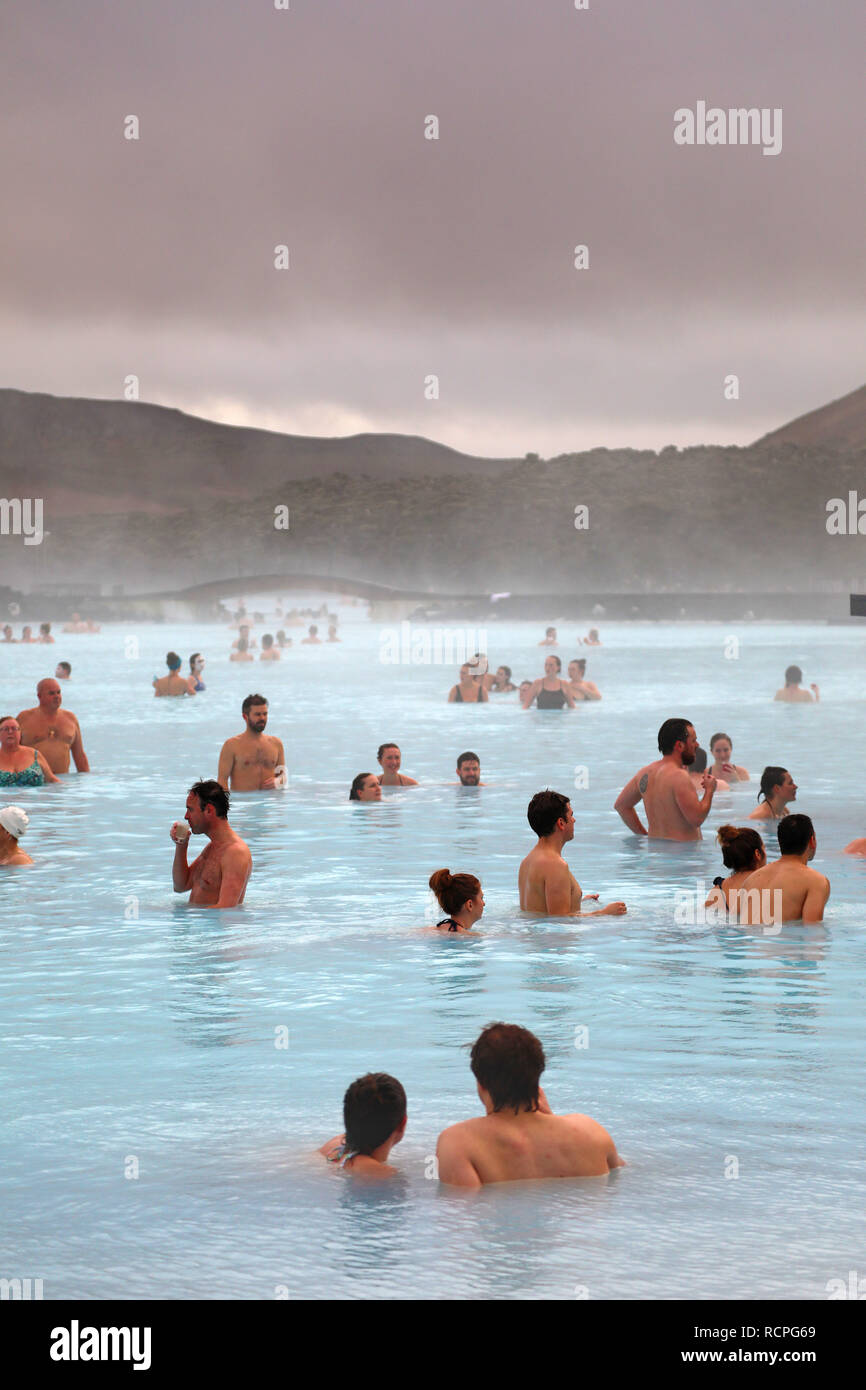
452	925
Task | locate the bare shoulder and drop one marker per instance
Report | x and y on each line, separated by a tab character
856	847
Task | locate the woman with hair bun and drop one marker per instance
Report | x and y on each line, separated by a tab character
742	852
460	896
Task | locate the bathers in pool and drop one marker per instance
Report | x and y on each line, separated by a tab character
342	1154
550	699
450	923
31	776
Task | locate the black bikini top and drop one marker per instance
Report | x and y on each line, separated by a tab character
452	925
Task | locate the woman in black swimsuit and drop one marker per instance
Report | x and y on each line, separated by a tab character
549	692
460	896
470	691
742	853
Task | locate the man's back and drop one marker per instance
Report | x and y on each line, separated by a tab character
804	893
504	1147
664	788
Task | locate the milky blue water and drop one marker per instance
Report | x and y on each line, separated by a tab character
140	1034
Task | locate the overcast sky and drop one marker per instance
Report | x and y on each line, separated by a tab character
411	257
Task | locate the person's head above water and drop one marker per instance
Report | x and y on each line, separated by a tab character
552	665
63	670
469	769
206	803
267	641
793	675
454	892
366	787
699	763
548	812
577	668
255	712
14	820
675	732
777	782
374	1110
389	756
725	749
796	834
172	661
196	661
49	694
742	848
507	1062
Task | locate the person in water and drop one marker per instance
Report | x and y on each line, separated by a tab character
469	770
312	636
242	652
743	853
252	761
13	822
332	633
8	635
549	691
549	639
722	750
804	892
461	897
545	881
283	640
389	759
244	635
856	846
374	1119
672	806
27	634
469	689
174	683
54	731
778	788
219	876
269	652
194	680
20	765
366	787
592	638
519	1137
501	682
699	767
791	692
62	671
581	688
45	632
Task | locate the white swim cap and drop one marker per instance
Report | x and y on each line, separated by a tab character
14	820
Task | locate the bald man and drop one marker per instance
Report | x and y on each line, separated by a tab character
52	731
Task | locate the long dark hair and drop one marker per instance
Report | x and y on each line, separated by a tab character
771	777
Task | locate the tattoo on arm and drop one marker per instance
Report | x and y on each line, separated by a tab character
643	783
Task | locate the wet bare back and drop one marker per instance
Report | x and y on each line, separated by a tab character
507	1148
804	893
665	789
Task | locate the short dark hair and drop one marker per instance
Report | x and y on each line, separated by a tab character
211	793
673	731
66	666
373	1107
507	670
793	675
252	700
794	833
545	809
468	758
357	784
268	640
383	746
700	762
507	1061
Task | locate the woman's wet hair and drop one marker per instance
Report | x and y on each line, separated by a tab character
793	675
739	846
454	890
715	738
545	809
373	1107
507	1061
771	777
173	661
794	833
357	785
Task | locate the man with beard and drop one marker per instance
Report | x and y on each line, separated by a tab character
672	806
469	770
252	761
219	876
54	731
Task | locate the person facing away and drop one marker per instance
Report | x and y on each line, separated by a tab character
804	892
54	731
791	691
742	852
219	876
856	846
269	652
45	632
374	1120
252	761
461	896
673	809
174	683
241	651
519	1137
777	789
14	820
545	882
699	767
389	759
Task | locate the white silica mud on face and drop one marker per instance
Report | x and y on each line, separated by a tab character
214	1048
